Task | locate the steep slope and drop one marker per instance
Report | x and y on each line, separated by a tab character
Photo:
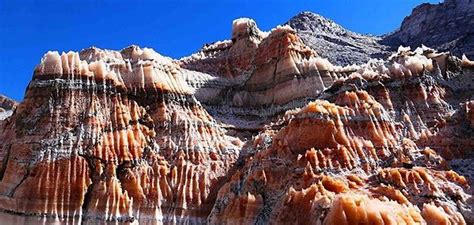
447	26
113	136
339	45
357	165
259	75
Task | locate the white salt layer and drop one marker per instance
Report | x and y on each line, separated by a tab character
465	62
99	69
51	64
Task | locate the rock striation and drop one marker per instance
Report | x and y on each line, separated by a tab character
368	161
125	131
337	44
258	129
446	26
258	75
7	106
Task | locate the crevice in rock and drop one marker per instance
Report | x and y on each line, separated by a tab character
12	192
4	163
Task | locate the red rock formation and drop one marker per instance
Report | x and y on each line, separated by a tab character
127	133
265	63
343	164
282	136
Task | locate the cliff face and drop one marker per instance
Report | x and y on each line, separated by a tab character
112	135
258	75
447	26
376	151
357	169
256	129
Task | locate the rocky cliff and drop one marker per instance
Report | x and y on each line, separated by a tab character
447	26
258	75
259	129
337	44
126	132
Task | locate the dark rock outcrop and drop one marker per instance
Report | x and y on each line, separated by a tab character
447	26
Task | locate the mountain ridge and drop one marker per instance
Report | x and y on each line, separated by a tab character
341	46
454	32
446	26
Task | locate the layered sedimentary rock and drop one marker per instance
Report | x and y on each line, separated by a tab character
368	156
258	75
7	106
256	129
356	169
112	135
446	26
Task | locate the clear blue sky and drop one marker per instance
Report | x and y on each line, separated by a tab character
28	29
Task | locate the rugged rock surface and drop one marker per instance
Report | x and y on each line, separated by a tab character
256	129
447	26
356	170
258	75
337	44
7	106
112	135
369	156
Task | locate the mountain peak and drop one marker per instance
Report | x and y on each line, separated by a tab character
309	21
332	41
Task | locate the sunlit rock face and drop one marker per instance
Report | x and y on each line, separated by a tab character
379	150
229	58
332	41
258	129
258	75
112	135
342	163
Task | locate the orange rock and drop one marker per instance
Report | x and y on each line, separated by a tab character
356	209
227	136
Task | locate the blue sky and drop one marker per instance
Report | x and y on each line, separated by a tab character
177	28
